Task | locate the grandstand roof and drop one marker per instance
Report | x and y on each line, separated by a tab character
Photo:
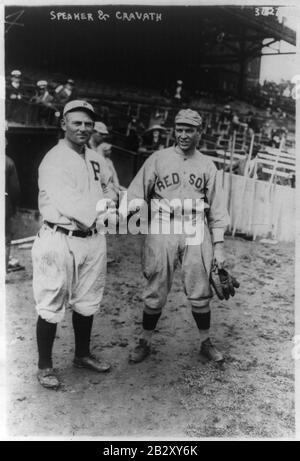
148	52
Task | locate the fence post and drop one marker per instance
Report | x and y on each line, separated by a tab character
245	177
232	147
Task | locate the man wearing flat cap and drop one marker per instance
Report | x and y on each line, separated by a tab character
65	93
42	101
181	186
42	95
15	90
69	254
15	95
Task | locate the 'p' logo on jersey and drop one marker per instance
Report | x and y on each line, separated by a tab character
96	169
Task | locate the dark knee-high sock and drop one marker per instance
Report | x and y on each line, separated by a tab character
45	334
150	320
202	320
82	330
149	323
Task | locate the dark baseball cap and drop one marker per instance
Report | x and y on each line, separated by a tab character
188	117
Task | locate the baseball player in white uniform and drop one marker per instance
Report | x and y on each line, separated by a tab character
69	254
180	172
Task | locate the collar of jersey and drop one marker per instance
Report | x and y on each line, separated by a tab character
182	155
82	155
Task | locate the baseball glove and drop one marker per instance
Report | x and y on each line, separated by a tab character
223	283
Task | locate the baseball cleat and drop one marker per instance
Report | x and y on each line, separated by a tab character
140	352
48	378
209	351
92	363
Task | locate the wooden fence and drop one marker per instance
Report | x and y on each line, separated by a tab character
258	208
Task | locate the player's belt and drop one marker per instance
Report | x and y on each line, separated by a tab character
71	233
173	213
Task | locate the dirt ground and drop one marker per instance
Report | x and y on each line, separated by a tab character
172	394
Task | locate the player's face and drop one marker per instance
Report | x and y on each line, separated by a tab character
187	136
97	138
107	153
100	137
78	127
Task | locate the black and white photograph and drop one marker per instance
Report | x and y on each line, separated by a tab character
150	221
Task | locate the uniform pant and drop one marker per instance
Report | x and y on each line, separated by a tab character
162	254
67	271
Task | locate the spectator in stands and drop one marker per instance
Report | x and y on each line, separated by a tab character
135	124
66	92
266	130
153	139
226	114
14	95
42	95
158	118
132	137
45	112
235	123
277	135
14	91
178	91
253	125
275	138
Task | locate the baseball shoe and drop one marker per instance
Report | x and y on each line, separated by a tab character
47	378
92	363
140	352
209	351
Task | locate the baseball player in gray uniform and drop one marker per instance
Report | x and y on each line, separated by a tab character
69	254
181	172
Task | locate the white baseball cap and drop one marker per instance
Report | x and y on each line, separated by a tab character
42	83
79	105
101	128
156	127
15	73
